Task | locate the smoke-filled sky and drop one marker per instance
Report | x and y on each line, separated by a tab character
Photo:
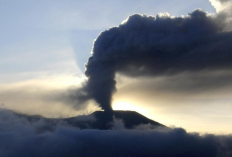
44	46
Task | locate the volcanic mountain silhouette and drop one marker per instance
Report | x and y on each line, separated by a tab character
104	120
97	120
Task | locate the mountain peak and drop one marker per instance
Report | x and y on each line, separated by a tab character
129	118
97	120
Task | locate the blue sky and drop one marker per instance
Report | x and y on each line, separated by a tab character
45	44
34	32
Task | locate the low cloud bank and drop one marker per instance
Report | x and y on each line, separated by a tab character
48	101
21	138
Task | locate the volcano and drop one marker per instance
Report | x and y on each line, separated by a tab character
97	120
103	120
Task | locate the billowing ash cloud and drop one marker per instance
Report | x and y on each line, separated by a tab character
23	138
153	46
224	12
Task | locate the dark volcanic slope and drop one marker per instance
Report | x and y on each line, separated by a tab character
97	120
104	120
134	118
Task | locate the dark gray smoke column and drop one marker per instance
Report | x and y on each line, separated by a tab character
151	46
101	83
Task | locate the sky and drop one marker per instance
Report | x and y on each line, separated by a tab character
44	46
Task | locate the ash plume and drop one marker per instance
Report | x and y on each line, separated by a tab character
224	12
156	45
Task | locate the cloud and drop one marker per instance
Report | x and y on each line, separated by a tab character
153	46
47	99
20	137
221	5
224	12
183	84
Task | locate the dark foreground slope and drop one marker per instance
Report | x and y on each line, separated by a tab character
97	120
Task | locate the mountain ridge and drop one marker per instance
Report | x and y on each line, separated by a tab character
97	120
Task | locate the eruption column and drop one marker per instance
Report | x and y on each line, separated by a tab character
156	45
